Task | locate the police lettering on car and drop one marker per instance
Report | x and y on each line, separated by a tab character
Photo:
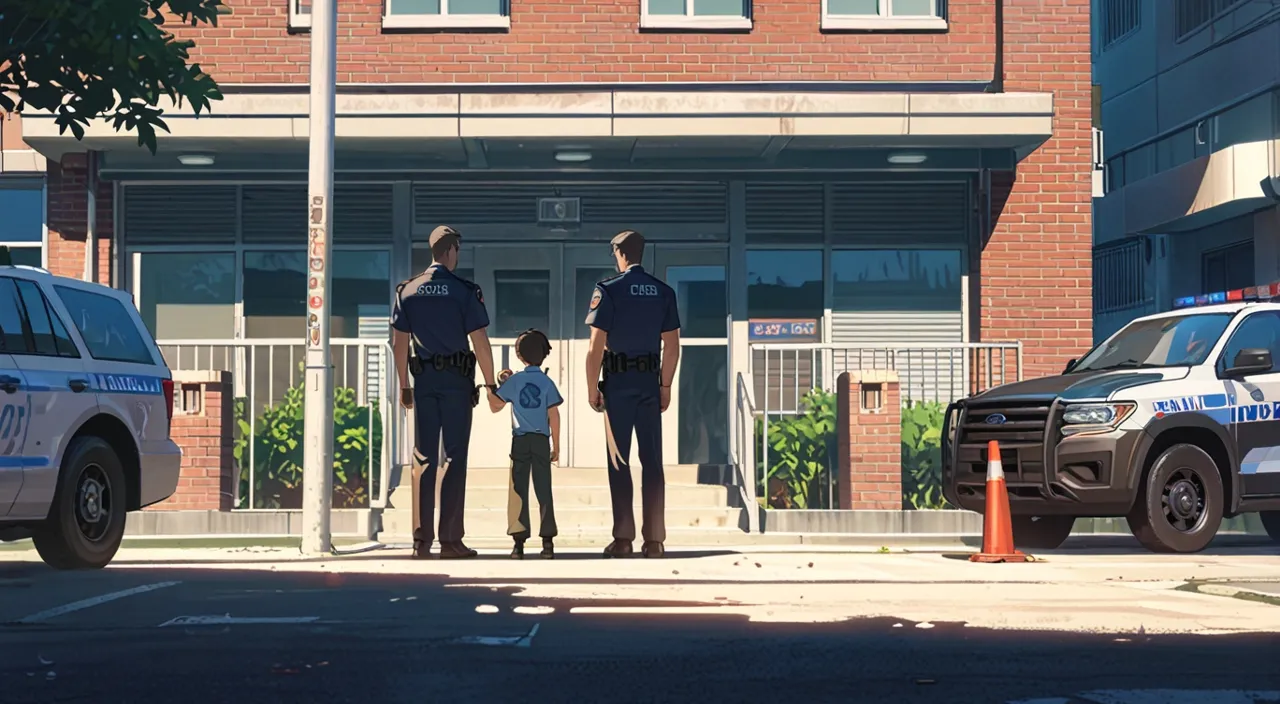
438	319
631	361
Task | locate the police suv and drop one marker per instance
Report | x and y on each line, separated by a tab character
1173	423
85	406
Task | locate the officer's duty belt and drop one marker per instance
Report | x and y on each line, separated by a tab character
615	363
463	363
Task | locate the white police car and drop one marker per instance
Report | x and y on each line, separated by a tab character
1173	423
85	406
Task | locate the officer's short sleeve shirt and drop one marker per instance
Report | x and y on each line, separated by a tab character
600	309
439	309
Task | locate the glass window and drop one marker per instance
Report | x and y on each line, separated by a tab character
23	210
12	339
1176	149
1140	163
47	332
698	8
1250	121
188	295
1258	331
896	279
25	256
446	7
702	299
106	326
882	8
1183	340
1228	268
784	283
275	292
703	405
521	300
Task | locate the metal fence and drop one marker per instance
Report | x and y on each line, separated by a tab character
267	436
790	409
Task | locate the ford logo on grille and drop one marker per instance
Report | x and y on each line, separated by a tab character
996	419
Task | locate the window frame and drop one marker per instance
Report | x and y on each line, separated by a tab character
886	21
691	21
298	20
445	20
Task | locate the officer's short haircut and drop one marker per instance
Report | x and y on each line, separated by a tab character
533	347
443	240
631	244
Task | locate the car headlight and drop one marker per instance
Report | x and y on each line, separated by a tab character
1094	417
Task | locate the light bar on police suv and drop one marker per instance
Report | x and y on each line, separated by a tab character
1266	292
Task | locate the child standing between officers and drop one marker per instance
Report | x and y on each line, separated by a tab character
535	441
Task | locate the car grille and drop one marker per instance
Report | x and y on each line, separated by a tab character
1021	437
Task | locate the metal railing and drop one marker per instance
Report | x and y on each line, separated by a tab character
743	449
785	376
266	377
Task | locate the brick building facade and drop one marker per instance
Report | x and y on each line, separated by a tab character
766	149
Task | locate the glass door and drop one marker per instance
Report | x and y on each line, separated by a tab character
521	285
695	429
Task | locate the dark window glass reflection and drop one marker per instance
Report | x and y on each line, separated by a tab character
784	283
895	279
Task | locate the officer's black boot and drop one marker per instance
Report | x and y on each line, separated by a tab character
517	552
652	548
422	550
619	548
548	549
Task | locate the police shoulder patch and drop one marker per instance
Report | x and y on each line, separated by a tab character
596	297
479	294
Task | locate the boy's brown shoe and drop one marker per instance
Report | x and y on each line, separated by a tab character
517	552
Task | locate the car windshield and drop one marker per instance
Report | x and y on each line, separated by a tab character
1164	342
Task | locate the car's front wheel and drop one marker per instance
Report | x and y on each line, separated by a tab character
1271	524
86	522
1180	505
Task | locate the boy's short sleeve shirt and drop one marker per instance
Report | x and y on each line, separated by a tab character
531	393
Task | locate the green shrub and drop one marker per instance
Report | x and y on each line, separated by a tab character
802	455
278	436
922	454
803	458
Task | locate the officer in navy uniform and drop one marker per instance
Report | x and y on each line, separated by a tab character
434	315
635	346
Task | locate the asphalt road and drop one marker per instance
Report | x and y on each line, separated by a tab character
412	638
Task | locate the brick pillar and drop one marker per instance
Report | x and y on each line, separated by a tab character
869	427
203	427
68	208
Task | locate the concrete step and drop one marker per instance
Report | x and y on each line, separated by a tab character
493	522
677	496
566	476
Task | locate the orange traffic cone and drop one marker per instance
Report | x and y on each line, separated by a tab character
997	525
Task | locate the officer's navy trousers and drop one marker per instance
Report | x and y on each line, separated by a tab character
637	408
442	409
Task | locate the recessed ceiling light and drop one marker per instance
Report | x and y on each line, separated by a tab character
196	159
573	156
907	158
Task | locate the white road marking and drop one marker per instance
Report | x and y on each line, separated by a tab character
1162	696
535	610
524	641
486	609
91	602
229	620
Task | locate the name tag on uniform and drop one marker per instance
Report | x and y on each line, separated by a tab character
644	290
433	290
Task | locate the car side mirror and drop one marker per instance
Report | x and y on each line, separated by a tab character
1250	361
1070	365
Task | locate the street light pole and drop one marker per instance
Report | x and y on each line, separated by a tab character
317	453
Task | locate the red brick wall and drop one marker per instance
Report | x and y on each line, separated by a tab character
68	209
1037	268
869	443
571	41
205	436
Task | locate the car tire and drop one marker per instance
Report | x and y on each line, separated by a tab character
1042	532
86	522
1271	524
1180	503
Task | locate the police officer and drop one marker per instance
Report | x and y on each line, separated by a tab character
635	346
435	313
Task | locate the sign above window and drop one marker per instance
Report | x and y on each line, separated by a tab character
780	330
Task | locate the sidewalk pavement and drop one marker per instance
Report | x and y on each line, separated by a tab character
1122	592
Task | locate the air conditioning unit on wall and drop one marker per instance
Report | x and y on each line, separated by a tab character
559	210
